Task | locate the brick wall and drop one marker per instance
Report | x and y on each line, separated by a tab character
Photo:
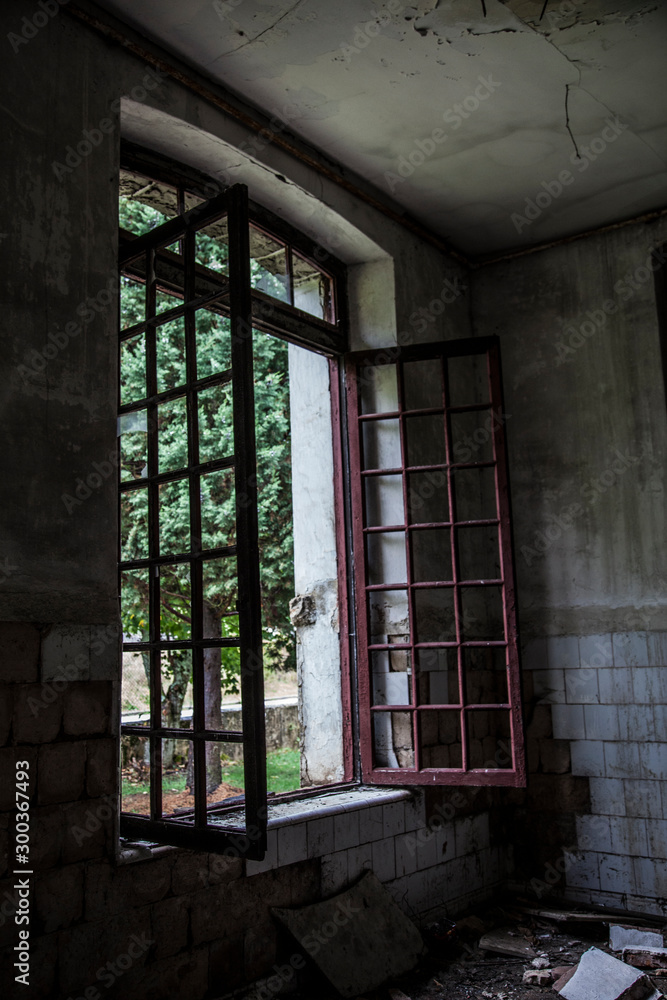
182	924
603	825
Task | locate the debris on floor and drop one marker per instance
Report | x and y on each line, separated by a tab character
512	951
600	976
621	936
359	939
645	958
507	942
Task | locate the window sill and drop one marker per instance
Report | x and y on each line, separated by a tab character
283	814
327	804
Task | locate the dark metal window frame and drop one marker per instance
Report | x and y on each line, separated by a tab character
198	831
146	259
250	308
372	774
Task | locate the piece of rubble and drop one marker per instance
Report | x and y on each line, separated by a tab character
502	942
602	977
472	924
645	958
561	970
540	963
359	939
537	977
621	937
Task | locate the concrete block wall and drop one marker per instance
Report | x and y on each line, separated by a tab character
607	696
180	923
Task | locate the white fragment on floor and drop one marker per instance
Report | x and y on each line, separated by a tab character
602	977
502	942
621	937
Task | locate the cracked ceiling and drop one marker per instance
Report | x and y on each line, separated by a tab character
458	117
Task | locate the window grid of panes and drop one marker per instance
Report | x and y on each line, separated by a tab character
439	684
186	363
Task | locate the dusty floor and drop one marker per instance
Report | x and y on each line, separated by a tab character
456	969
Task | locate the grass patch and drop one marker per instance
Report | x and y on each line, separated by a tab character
282	775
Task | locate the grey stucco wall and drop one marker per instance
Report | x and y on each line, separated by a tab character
585	405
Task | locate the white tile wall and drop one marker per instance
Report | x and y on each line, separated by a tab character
320	836
657	649
384	859
568	722
657	837
563	652
615	686
346	830
587	758
630	649
642	798
607	796
628	836
653	760
649	684
616	873
621	759
636	722
292	844
601	722
596	650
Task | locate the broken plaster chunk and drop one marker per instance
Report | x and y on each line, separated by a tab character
302	610
626	937
645	957
540	963
537	977
602	977
501	942
359	939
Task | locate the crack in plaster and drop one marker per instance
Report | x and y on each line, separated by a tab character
256	38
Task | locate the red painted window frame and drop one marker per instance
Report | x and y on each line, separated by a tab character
371	774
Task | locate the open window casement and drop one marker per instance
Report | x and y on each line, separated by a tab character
168	582
439	693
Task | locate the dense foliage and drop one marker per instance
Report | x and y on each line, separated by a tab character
216	489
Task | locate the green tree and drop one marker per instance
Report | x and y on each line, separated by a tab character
213	338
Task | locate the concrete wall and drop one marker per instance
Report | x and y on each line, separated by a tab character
586	430
206	919
191	924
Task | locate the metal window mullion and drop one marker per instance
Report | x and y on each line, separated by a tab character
155	679
362	604
505	542
196	597
289	264
455	565
408	563
249	593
